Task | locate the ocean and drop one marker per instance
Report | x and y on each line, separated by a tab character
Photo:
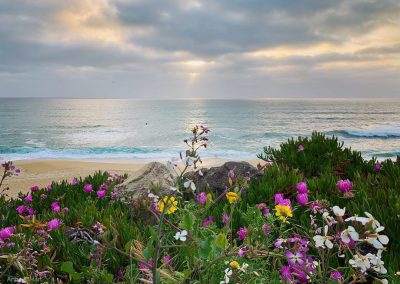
148	129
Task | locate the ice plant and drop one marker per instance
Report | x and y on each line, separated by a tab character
170	203
21	209
74	181
54	224
300	148
283	212
302	198
344	185
6	233
34	188
88	188
55	207
242	233
301	187
101	194
232	197
337	276
28	198
202	198
378	167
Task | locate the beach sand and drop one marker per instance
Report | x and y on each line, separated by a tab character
43	172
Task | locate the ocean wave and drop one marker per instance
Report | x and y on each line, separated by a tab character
373	133
27	153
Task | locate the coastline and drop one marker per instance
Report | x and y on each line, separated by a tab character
42	172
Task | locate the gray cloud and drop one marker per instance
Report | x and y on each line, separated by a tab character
183	48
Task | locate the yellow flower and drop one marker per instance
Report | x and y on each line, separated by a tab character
234	264
171	206
283	211
232	197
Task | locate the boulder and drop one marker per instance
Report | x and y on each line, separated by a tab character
151	176
216	178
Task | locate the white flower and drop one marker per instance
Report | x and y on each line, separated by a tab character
378	241
228	273
338	211
349	234
243	268
173	188
181	235
190	183
328	219
364	220
378	264
322	241
361	262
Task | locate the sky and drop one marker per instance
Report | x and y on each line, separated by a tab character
166	49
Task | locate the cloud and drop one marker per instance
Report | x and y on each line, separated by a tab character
180	48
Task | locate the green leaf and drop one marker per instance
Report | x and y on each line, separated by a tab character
67	267
220	241
206	247
188	221
153	234
149	250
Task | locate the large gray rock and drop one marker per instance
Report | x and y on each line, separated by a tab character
150	177
216	178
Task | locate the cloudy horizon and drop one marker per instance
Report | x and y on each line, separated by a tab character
163	49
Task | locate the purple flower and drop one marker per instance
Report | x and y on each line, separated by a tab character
101	194
302	198
242	233
35	188
202	198
266	229
242	251
378	167
231	174
21	209
28	198
344	185
6	233
278	198
167	259
74	181
294	257
207	221
54	224
225	219
55	207
336	275
31	211
88	188
286	274
300	148
301	187
49	187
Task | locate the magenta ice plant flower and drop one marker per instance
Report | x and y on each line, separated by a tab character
300	148
242	233
21	209
53	224
7	233
344	185
302	198
88	188
74	181
101	194
34	188
55	207
301	187
49	187
336	275
28	198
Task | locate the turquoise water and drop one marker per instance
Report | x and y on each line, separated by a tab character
125	129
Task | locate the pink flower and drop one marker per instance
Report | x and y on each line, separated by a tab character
21	209
202	198
242	233
344	185
243	251
378	167
88	188
28	198
74	181
207	221
301	187
266	229
336	275
300	148
54	224
302	198
43	196
6	233
167	259
225	219
35	188
278	198
49	187
286	274
55	207
101	194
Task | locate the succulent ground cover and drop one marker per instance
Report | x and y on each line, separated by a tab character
315	212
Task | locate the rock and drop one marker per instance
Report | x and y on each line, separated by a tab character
151	176
216	178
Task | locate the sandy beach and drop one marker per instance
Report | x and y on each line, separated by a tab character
43	172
